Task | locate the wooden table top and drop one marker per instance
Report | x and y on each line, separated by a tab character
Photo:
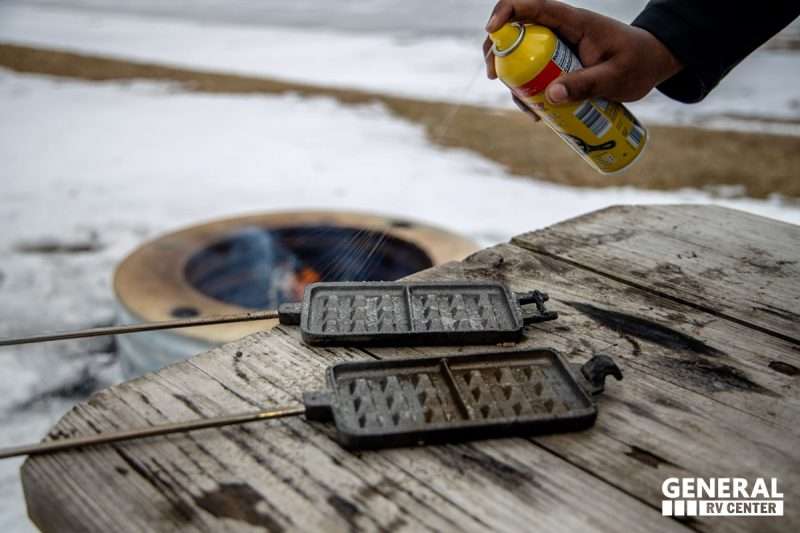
699	306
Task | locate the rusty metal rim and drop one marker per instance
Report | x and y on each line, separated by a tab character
150	283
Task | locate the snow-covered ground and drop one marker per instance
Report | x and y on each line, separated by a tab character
761	94
89	171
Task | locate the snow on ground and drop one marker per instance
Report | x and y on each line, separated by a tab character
95	169
432	64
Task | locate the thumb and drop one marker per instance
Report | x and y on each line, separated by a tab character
581	84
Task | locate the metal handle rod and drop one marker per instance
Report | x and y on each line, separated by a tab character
165	429
146	326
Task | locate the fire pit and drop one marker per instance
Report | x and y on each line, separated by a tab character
259	262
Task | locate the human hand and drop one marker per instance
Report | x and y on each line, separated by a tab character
621	62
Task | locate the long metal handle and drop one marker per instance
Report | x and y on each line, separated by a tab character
166	429
147	326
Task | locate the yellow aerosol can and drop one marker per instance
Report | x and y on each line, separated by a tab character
605	134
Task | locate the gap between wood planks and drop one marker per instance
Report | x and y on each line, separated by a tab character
656	292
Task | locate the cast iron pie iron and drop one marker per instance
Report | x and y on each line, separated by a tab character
415	401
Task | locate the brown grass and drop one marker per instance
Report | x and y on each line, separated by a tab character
677	157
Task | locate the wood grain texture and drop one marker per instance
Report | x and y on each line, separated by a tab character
702	396
678	412
735	264
292	474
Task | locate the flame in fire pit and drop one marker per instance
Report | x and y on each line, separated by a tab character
261	268
305	276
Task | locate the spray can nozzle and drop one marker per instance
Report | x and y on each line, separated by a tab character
507	38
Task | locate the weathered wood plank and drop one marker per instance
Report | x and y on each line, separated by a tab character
664	419
732	263
751	371
292	475
703	395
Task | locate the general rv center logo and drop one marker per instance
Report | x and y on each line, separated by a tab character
721	496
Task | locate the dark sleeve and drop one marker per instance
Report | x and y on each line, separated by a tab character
710	37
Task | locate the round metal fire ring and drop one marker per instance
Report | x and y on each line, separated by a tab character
256	262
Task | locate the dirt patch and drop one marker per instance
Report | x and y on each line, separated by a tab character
712	377
46	247
238	501
784	368
648	458
635	326
678	157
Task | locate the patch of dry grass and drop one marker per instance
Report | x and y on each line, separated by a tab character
677	157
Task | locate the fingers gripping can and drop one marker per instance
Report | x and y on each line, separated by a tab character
604	133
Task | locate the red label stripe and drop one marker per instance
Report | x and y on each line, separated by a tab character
540	81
